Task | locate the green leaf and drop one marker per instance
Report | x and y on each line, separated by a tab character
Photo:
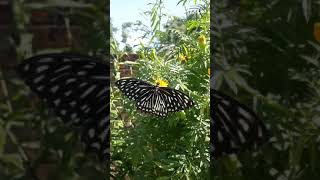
306	7
311	60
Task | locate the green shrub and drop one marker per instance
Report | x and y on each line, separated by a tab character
177	147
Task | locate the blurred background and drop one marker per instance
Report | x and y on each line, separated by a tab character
266	55
33	143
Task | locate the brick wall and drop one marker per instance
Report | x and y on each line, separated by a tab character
47	27
126	69
48	32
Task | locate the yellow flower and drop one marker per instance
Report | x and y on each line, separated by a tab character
202	40
182	57
162	83
316	31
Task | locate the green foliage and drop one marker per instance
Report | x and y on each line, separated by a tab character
33	142
175	147
259	50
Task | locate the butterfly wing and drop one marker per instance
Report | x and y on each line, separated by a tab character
76	87
234	127
152	99
134	88
153	102
144	94
175	100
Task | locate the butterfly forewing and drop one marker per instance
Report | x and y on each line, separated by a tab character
77	88
133	88
153	99
234	127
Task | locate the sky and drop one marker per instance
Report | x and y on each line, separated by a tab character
122	11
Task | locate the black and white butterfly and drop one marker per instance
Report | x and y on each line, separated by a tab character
76	87
234	127
154	99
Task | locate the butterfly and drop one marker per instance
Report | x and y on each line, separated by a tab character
234	127
76	87
154	99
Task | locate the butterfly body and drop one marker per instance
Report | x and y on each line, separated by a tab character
152	98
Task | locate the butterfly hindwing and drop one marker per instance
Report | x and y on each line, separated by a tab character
234	126
76	87
153	102
176	100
